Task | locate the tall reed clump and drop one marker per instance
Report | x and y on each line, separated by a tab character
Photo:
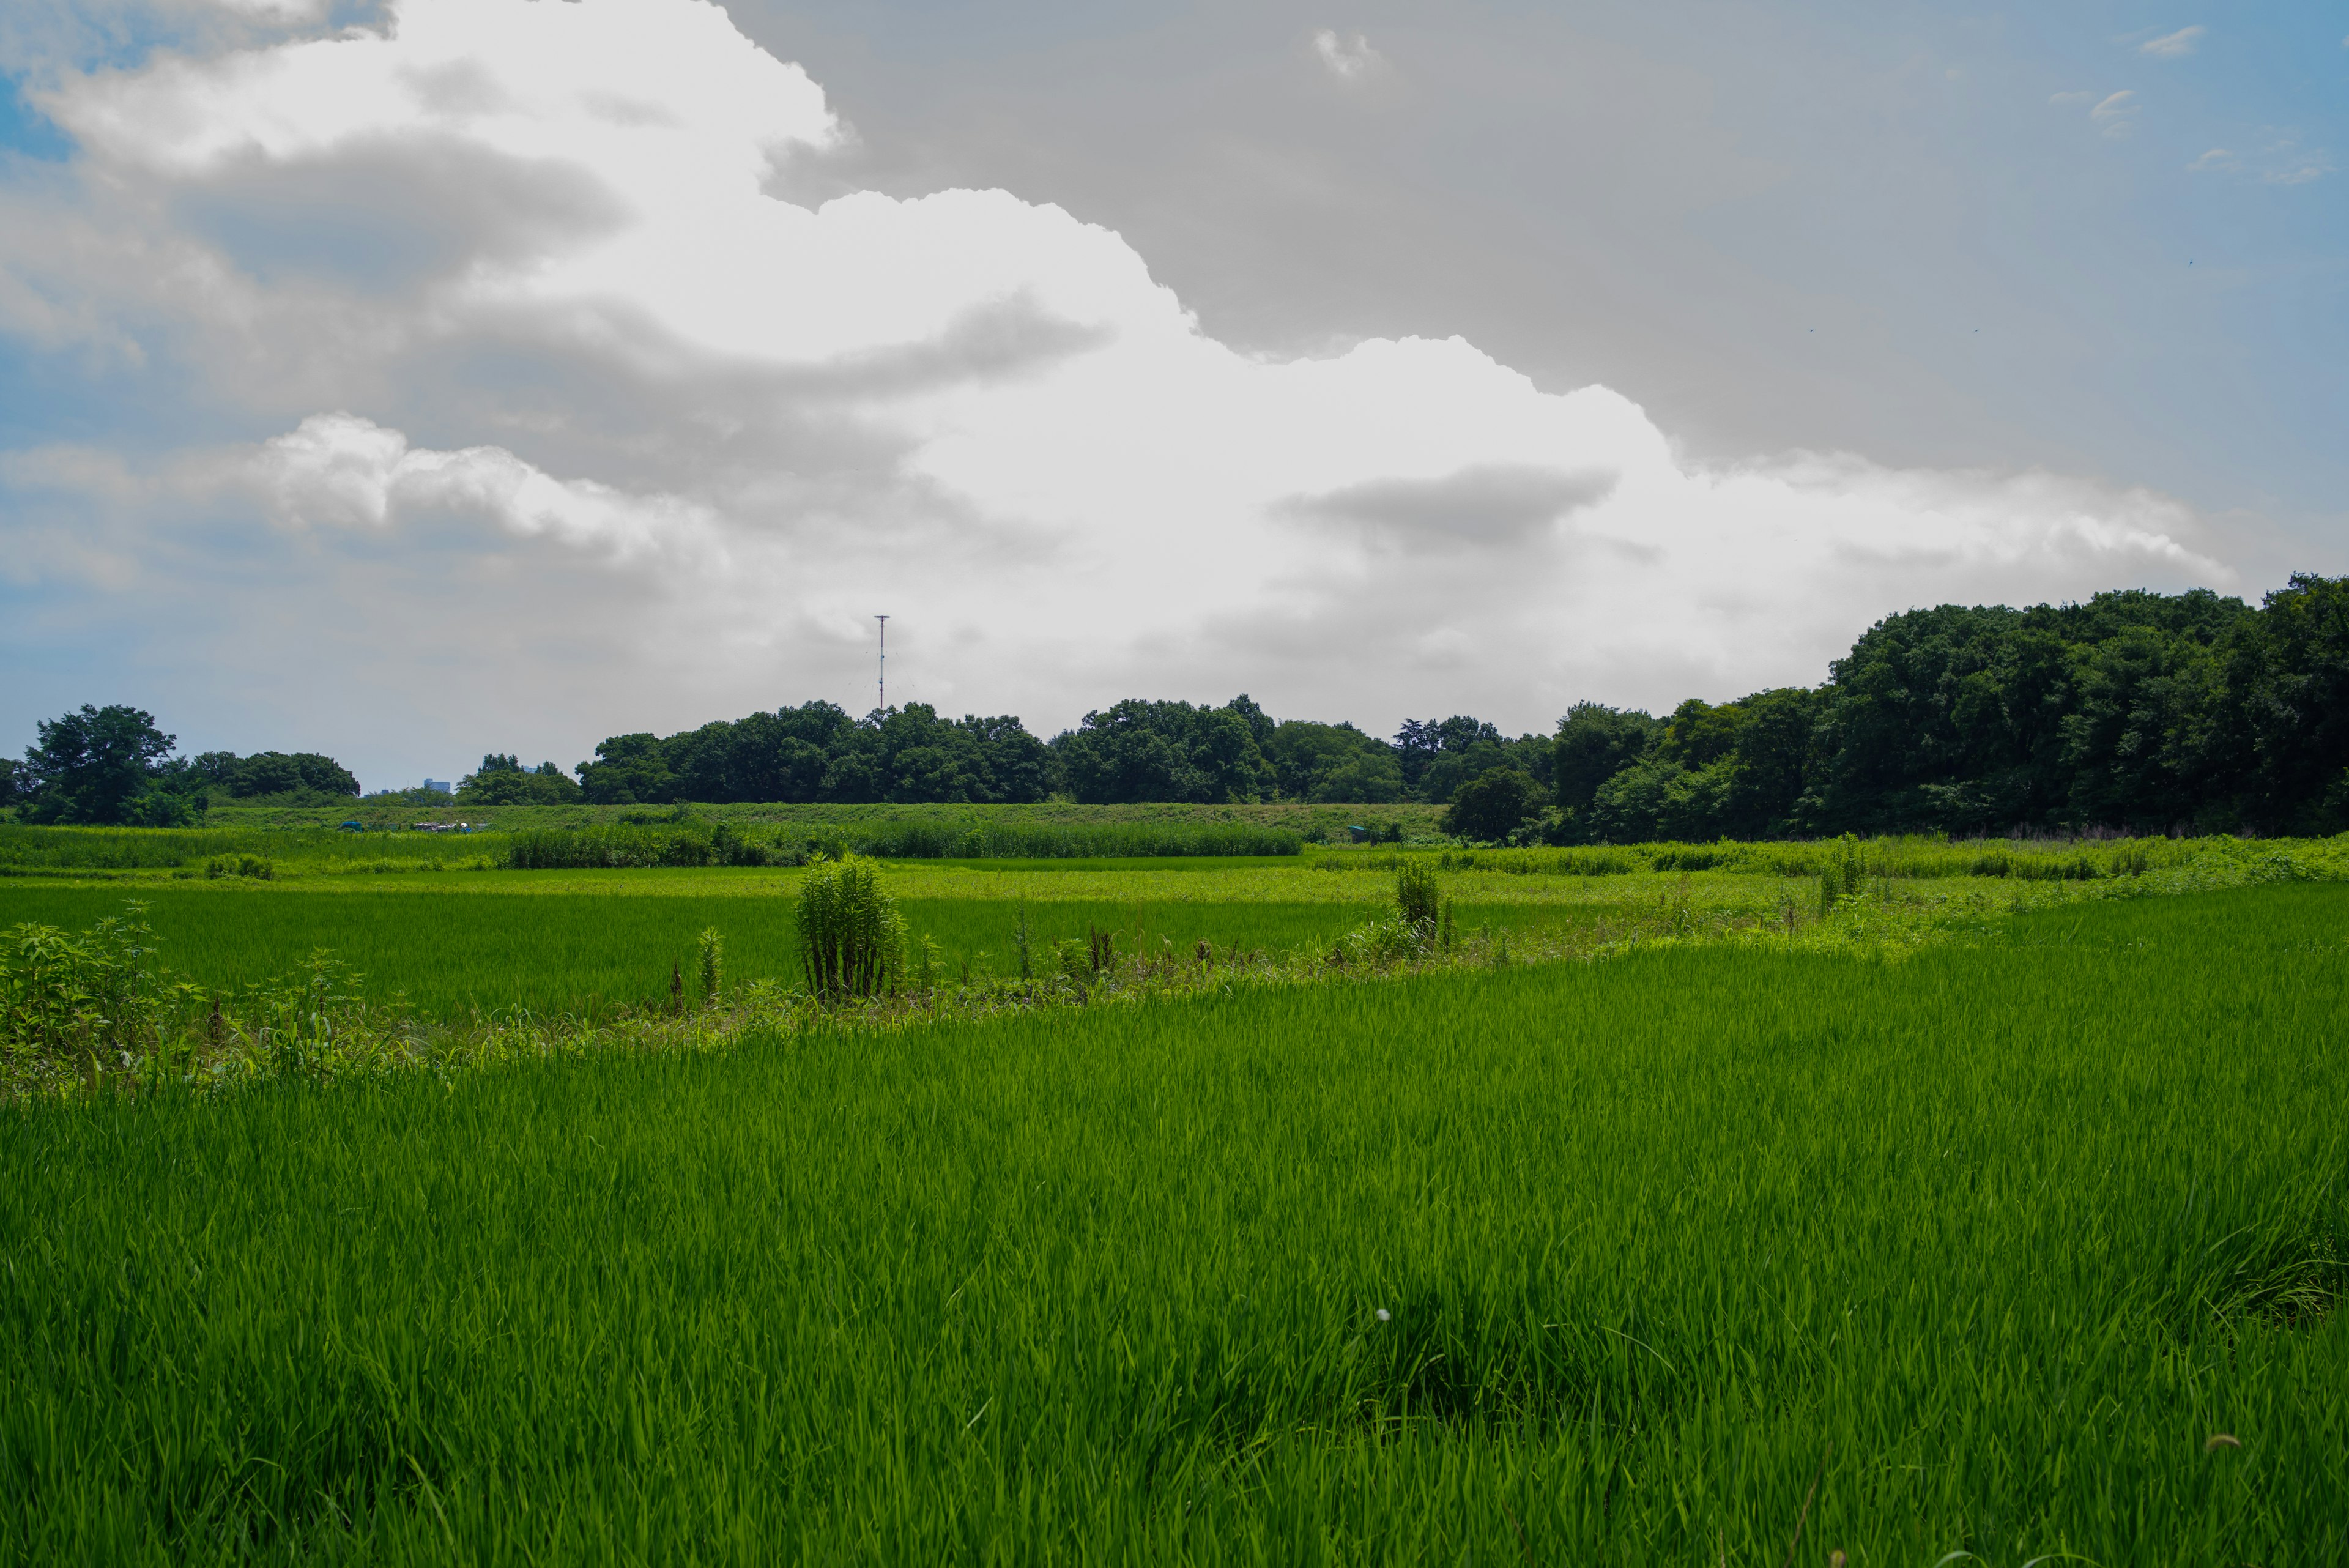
1419	896
1844	870
851	938
713	957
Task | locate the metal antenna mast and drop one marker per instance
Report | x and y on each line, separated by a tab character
884	661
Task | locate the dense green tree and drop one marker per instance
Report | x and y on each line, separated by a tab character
2288	681
1438	755
10	780
276	773
1333	762
629	770
93	766
817	753
1143	751
502	781
1594	744
1494	805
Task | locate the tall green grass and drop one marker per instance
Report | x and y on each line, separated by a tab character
1641	1263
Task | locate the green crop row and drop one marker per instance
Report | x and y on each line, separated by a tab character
2027	1250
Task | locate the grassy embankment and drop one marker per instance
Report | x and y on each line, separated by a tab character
2028	1248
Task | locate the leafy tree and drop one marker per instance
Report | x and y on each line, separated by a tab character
500	781
1333	762
1144	751
1594	744
1367	778
1494	804
1437	755
629	770
92	766
2288	676
11	777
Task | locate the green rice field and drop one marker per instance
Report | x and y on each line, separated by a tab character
1754	1244
557	952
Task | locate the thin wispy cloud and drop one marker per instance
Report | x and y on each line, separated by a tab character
2280	161
1349	59
2116	114
2173	46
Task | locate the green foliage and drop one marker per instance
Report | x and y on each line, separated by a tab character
257	866
851	938
1493	805
71	1005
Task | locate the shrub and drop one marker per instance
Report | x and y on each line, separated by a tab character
851	938
258	867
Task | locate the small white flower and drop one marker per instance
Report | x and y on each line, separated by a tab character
1383	1314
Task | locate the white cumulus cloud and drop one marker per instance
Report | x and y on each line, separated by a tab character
532	365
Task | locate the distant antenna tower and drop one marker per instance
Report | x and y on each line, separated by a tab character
884	661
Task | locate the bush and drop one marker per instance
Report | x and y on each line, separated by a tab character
258	867
851	939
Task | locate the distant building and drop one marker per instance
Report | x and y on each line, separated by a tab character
440	786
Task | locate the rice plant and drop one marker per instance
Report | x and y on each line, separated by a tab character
851	938
1694	1256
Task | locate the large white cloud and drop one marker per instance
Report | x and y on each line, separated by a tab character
503	296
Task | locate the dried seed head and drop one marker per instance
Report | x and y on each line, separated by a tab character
2221	1440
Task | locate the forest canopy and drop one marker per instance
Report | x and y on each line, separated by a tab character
2135	711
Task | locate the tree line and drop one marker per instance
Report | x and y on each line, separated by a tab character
1135	751
2133	711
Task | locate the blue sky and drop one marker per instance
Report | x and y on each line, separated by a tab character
2100	244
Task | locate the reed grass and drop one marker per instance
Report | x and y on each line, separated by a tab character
851	938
